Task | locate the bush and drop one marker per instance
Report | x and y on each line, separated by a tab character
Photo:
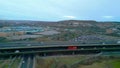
2	39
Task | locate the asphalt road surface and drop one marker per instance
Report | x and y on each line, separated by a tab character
27	61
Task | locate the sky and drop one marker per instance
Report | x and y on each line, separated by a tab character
55	10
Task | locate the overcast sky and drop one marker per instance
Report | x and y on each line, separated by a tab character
54	10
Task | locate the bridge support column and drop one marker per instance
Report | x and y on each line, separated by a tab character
44	54
73	53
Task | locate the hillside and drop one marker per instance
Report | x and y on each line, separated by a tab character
84	23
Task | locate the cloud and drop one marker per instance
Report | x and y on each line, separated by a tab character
108	17
69	17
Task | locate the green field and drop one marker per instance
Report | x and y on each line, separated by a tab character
115	63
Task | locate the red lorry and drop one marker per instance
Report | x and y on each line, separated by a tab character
72	47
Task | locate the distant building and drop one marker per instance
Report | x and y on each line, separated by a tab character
18	30
109	31
6	34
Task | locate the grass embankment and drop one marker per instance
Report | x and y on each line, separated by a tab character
15	63
104	63
6	63
67	61
57	62
115	63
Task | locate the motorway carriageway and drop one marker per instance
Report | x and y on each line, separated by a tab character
27	44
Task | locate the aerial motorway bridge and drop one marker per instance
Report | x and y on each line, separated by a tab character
57	49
